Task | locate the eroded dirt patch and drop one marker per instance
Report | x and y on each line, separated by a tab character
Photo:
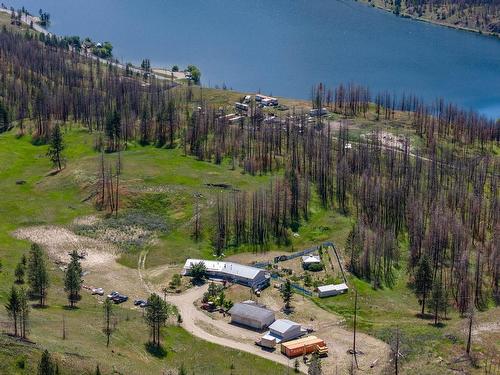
99	261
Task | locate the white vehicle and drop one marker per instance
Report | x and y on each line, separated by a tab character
98	291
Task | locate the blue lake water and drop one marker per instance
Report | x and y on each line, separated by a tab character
284	47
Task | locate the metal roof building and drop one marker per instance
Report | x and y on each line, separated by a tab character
332	290
280	331
252	277
251	315
309	259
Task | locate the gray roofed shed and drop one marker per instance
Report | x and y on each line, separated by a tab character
251	315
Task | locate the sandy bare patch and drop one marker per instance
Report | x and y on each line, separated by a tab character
59	242
87	220
99	262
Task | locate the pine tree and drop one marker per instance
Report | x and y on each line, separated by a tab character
46	366
423	280
13	308
73	279
24	310
287	293
157	312
113	130
19	273
37	274
4	118
108	327
439	300
56	147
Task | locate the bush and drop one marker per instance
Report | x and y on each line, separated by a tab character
315	267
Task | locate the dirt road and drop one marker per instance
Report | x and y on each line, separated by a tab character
101	256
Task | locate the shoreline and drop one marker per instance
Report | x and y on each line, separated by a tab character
430	21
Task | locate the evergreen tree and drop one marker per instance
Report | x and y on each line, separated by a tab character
423	280
108	327
56	147
46	366
19	273
24	310
113	130
439	300
4	118
198	271
287	293
73	279
13	308
157	312
37	274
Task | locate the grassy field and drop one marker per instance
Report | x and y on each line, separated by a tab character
164	182
46	199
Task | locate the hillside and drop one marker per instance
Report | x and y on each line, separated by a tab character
478	16
154	173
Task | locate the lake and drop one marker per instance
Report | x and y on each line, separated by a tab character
284	47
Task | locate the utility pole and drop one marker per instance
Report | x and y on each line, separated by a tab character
355	321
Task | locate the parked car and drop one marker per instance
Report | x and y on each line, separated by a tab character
98	291
113	295
120	298
139	302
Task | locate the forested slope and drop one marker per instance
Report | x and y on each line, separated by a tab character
477	15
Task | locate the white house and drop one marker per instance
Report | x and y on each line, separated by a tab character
252	277
332	290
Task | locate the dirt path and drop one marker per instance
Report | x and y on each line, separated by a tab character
102	270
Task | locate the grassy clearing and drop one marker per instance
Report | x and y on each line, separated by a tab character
44	199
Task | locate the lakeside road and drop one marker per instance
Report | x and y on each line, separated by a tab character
29	20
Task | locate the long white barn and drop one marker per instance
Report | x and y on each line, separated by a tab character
252	277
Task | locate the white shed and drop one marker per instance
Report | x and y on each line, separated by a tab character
311	259
285	330
332	290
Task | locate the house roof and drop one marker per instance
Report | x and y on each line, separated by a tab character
251	311
311	259
229	268
332	287
283	325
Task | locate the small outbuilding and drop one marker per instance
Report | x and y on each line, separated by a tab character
285	330
332	290
310	259
251	315
280	331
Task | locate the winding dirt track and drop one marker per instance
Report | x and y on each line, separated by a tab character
104	271
194	321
